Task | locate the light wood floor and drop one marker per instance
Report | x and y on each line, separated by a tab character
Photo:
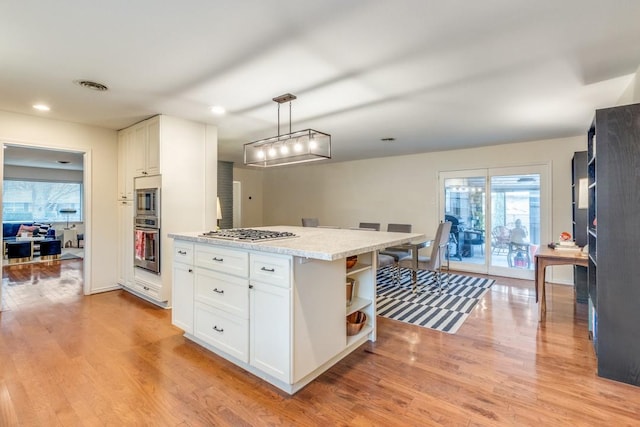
113	359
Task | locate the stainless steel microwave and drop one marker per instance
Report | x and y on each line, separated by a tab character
148	202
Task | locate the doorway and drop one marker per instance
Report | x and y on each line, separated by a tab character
45	188
499	218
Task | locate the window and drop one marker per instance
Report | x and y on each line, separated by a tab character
41	201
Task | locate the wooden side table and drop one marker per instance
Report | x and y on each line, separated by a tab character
545	257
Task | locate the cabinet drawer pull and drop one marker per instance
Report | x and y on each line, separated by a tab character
270	270
146	288
215	258
182	252
218	291
215	328
191	270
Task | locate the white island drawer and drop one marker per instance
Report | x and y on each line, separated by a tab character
222	260
228	293
223	331
271	269
183	252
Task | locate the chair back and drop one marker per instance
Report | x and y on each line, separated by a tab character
310	222
371	225
440	243
399	228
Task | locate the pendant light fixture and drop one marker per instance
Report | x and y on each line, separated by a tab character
294	147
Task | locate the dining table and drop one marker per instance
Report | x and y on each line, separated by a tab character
414	246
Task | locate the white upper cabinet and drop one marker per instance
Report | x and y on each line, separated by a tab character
125	165
145	150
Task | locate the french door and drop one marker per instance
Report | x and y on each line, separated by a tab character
500	217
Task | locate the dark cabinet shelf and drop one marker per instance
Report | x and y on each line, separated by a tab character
614	291
580	217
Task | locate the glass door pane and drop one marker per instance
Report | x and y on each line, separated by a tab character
464	206
515	220
499	217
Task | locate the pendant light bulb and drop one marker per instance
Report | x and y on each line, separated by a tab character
312	143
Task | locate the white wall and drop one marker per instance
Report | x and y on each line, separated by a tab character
632	94
252	195
25	172
188	165
404	189
101	185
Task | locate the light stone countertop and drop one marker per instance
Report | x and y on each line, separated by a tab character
326	244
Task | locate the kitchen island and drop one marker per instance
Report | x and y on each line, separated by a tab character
278	308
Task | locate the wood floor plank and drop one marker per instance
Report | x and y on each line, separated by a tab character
113	359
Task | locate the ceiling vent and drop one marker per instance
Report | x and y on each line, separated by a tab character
91	85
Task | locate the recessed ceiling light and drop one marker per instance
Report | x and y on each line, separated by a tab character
41	107
218	110
91	85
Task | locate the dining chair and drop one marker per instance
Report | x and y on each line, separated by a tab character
397	252
434	261
310	222
370	225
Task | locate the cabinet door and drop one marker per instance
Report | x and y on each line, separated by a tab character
182	301
270	330
125	173
139	150
153	146
125	246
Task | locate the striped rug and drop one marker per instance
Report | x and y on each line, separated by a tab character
444	312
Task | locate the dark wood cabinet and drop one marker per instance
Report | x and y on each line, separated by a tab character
614	238
579	210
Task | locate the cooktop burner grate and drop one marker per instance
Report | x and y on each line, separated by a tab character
248	234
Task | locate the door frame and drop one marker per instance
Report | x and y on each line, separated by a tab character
545	172
86	200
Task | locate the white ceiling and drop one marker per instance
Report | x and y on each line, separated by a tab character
435	75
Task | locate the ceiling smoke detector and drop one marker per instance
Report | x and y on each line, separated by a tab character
91	85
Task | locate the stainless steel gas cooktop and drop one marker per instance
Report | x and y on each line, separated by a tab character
248	235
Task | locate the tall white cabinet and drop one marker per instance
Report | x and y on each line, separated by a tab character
184	154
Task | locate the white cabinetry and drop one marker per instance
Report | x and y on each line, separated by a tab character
270	304
278	316
125	243
181	155
146	147
125	165
183	287
270	338
222	300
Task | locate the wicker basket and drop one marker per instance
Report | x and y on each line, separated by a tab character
355	322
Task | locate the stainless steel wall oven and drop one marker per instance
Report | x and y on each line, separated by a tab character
147	225
147	248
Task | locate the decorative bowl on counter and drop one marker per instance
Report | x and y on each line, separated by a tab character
355	322
351	261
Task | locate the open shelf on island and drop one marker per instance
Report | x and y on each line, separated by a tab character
357	304
366	330
358	268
